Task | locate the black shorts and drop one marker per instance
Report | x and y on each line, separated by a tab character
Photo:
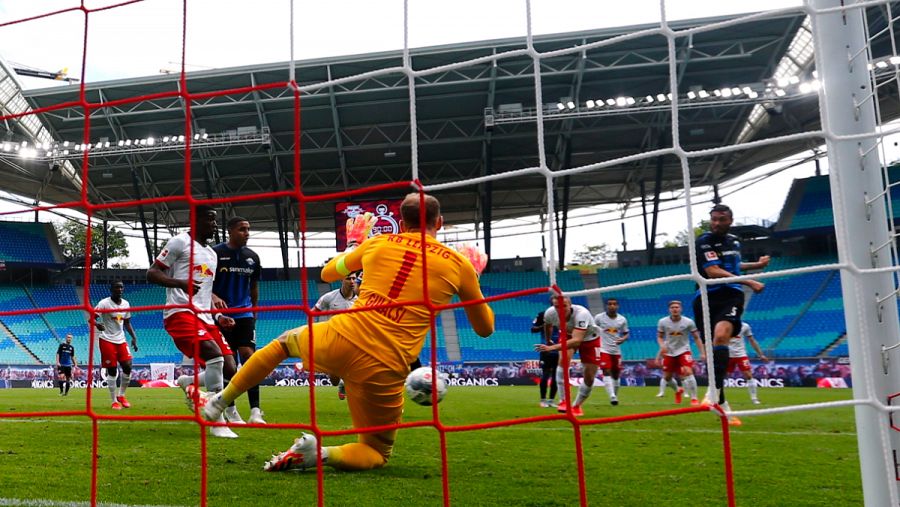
725	304
243	334
549	360
65	370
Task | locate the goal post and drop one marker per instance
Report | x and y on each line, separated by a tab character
864	234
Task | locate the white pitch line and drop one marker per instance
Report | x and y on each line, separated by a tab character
611	428
28	502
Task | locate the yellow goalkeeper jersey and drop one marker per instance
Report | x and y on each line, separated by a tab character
394	272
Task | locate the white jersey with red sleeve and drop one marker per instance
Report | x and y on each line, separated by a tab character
676	334
611	330
736	346
580	318
113	322
175	257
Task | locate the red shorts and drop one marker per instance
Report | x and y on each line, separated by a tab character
741	363
611	361
675	363
589	352
186	327
112	354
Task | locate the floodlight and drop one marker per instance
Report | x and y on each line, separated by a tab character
881	64
661	97
151	141
569	104
726	92
610	102
590	104
782	82
691	94
649	99
779	92
630	101
703	94
746	90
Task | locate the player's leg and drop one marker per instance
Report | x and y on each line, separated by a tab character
109	359
686	371
584	390
123	382
228	370
256	415
544	383
552	366
749	380
563	387
616	372
292	343
59	379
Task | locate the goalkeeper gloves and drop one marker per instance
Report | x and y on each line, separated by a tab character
359	228
478	258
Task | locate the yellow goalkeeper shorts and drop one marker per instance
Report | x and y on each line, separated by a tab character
374	391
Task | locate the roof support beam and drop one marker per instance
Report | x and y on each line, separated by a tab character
336	123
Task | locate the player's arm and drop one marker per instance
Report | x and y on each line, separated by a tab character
717	271
74	360
57	355
661	340
696	334
130	329
254	294
760	264
573	342
756	347
157	275
548	334
344	263
480	314
625	334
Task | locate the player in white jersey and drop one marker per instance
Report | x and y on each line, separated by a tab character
339	299
673	334
613	330
192	325
581	335
737	358
114	319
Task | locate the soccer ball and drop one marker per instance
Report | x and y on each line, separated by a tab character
419	383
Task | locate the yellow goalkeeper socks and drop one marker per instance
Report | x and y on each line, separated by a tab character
255	370
355	456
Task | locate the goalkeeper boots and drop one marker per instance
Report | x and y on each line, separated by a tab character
300	456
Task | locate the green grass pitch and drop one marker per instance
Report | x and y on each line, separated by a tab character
802	458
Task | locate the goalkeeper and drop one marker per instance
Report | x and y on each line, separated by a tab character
374	364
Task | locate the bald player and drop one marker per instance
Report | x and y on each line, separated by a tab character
374	364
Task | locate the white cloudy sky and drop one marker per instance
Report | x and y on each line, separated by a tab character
143	38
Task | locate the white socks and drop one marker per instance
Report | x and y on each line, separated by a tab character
584	392
616	384
111	385
672	383
126	378
214	378
609	383
751	386
662	386
690	385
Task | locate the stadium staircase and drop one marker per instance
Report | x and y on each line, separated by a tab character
838	342
19	353
451	338
595	300
773	345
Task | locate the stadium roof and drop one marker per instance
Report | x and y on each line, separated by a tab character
356	134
